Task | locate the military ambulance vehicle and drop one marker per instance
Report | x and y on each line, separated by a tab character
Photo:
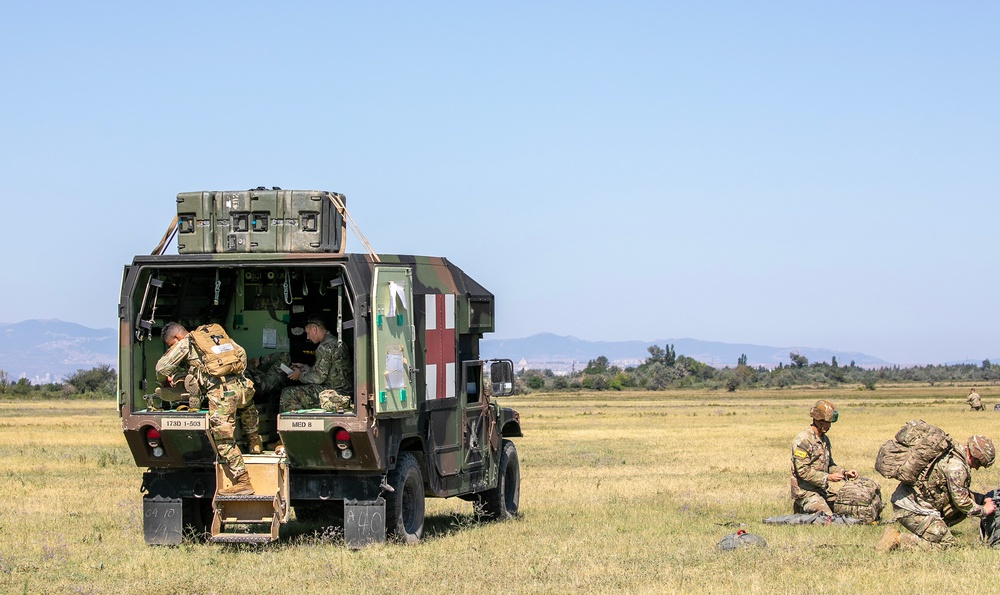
421	422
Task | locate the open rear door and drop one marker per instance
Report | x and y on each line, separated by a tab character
392	343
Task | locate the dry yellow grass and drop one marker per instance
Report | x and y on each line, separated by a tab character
621	493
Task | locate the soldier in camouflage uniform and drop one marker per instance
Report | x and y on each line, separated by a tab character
940	499
327	384
812	463
226	395
974	400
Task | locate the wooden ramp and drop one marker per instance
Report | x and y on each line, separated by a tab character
255	518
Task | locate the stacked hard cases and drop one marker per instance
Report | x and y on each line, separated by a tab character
260	220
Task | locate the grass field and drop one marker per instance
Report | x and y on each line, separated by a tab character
620	493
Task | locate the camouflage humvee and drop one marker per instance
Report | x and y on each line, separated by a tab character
421	422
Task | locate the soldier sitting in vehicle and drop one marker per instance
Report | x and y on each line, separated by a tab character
327	384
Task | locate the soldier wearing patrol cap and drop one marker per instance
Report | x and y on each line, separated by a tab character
940	498
327	384
812	463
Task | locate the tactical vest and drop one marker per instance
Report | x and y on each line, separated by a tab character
934	489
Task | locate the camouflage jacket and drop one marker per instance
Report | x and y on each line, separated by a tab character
332	368
812	461
946	488
182	360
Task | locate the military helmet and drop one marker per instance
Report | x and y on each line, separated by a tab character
981	448
823	410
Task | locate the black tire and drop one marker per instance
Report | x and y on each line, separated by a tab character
198	514
404	508
501	503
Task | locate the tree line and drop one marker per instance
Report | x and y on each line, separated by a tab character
98	382
665	369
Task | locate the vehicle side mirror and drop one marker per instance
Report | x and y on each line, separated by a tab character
502	377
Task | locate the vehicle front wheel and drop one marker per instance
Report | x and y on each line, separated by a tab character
501	502
404	507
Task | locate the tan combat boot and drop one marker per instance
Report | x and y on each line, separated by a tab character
889	540
253	444
912	542
240	487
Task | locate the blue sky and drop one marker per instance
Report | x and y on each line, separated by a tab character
787	174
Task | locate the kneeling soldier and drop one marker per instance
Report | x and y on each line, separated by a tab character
812	463
940	498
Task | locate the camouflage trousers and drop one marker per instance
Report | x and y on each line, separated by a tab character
810	503
224	402
267	374
931	529
313	396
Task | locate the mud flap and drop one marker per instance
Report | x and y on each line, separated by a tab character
162	521
364	522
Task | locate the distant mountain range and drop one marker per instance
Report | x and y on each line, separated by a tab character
51	350
562	354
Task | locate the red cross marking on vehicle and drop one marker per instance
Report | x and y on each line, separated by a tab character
439	342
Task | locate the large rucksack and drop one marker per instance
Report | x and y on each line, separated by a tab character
860	498
910	454
218	352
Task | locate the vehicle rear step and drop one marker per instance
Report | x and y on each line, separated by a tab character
241	538
259	514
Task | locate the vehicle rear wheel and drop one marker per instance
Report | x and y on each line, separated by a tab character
404	508
501	502
198	514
